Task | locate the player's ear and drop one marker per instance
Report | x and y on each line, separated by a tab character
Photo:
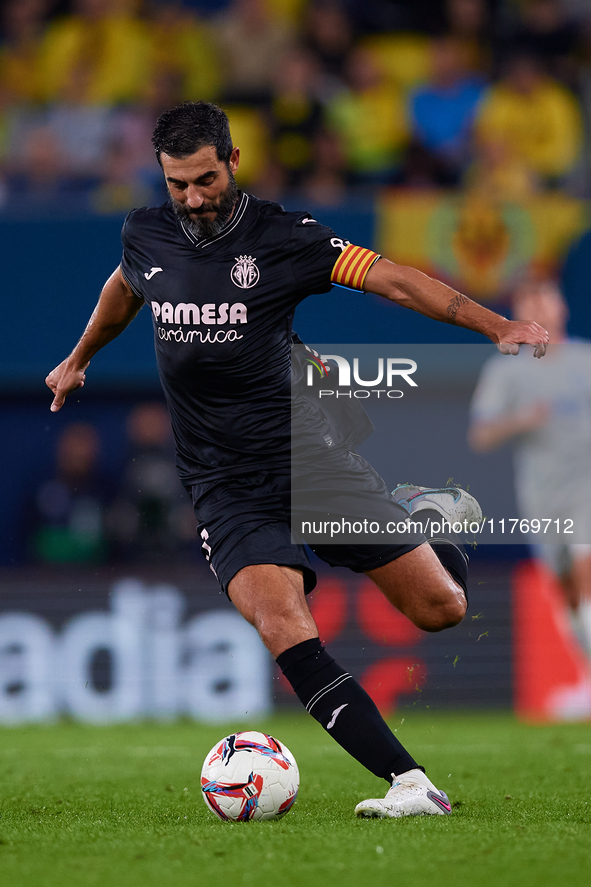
234	160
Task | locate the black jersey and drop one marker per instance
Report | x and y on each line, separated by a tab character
222	310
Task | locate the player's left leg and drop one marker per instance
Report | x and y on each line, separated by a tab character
429	584
581	578
576	583
419	586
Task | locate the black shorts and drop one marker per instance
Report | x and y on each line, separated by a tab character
246	519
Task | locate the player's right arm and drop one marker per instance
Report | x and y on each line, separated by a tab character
116	308
488	434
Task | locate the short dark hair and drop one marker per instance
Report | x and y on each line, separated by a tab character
190	126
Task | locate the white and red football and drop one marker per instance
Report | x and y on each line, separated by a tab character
248	776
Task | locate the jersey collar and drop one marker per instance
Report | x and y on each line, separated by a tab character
237	216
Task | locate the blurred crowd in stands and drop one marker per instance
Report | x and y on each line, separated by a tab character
324	96
80	513
329	100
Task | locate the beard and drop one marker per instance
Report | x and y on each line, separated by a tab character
201	227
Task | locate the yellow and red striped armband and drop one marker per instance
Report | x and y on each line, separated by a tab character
352	266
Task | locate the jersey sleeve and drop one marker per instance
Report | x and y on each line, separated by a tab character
131	259
319	258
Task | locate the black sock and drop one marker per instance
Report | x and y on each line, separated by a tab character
446	546
455	560
344	709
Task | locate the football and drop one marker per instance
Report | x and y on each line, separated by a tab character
248	776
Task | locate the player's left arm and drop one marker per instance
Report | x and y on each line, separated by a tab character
413	289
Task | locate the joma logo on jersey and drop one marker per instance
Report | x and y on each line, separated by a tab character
210	313
245	272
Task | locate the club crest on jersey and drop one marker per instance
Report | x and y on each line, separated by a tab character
245	272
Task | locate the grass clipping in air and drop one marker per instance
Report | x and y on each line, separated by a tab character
121	806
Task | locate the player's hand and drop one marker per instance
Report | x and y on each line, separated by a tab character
515	333
64	379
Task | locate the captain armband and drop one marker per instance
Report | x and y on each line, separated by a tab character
352	266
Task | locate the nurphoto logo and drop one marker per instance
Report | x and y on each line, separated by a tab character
389	370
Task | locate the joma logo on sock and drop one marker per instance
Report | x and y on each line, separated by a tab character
335	715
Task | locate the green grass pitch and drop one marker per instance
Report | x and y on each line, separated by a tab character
121	806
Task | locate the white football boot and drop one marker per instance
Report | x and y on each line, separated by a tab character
452	503
412	794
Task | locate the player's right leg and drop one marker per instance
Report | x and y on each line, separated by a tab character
428	584
272	598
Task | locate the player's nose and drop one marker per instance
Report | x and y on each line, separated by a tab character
194	198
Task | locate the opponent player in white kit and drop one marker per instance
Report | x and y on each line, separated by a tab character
546	412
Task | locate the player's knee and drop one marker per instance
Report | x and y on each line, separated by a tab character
444	613
283	627
270	629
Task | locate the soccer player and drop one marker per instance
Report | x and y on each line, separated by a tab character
222	273
547	416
